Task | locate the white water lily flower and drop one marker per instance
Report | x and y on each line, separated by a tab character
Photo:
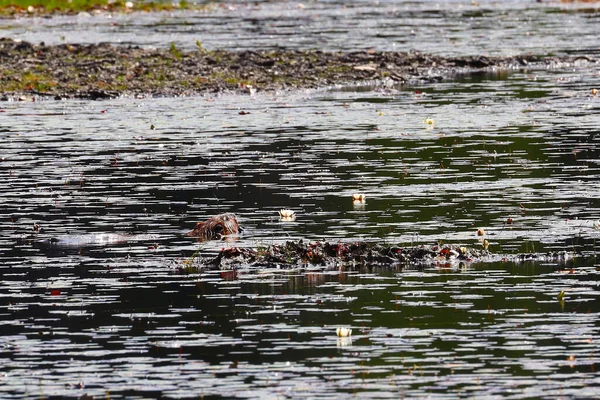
359	197
343	332
287	214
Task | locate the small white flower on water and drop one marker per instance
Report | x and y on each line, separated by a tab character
287	214
429	121
129	4
359	197
343	332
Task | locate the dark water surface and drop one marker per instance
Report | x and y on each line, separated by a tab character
131	319
123	320
445	27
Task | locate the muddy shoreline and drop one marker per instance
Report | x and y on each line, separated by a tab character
97	71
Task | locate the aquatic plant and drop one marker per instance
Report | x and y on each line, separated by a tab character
343	331
175	51
287	214
359	197
35	7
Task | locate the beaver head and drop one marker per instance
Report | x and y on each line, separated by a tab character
216	227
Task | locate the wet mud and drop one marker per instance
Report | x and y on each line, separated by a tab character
104	71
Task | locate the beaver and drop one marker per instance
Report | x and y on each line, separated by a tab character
216	227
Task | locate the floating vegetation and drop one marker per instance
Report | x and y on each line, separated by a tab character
322	253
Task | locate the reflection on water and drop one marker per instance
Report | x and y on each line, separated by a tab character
123	319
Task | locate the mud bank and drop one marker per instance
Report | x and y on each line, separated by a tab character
104	71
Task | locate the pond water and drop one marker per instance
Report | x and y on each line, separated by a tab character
129	320
445	27
125	321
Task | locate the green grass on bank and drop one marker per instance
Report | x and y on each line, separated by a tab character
73	6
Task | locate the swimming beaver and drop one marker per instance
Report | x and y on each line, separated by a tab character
216	227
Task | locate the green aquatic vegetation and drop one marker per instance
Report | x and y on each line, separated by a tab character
28	81
201	48
229	79
175	51
53	4
10	7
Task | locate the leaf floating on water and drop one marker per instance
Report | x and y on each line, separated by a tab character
244	112
594	92
561	296
152	127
